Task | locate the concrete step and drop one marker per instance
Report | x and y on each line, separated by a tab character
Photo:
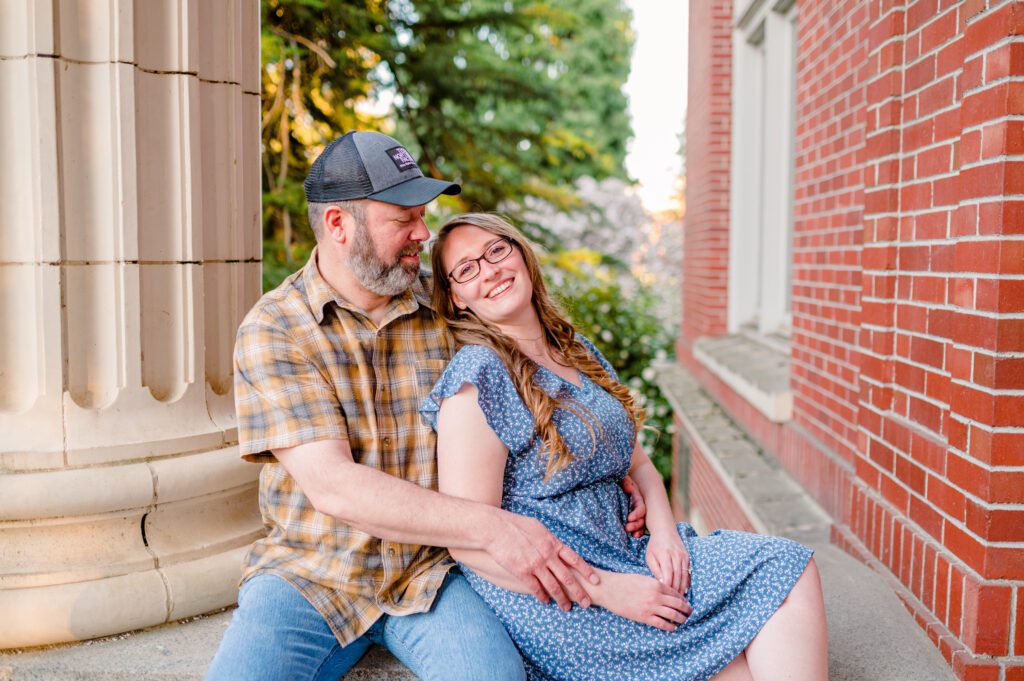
871	638
179	651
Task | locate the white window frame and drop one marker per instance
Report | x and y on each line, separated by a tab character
762	167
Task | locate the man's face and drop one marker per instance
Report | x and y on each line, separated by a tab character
384	255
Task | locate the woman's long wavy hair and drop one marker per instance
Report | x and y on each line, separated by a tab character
467	328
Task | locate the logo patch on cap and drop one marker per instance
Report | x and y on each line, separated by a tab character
402	159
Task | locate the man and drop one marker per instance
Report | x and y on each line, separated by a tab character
330	369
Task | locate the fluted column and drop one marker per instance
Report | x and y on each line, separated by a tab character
129	252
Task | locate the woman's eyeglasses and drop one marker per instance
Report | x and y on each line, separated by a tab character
468	270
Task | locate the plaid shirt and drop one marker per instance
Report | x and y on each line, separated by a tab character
308	367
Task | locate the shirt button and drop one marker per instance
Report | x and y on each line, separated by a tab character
387	442
391	552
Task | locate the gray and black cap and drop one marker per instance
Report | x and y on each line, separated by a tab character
371	165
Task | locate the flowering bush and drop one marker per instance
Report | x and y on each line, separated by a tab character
619	316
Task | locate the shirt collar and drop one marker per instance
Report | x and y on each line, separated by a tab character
320	293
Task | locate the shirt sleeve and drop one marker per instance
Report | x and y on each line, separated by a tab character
282	397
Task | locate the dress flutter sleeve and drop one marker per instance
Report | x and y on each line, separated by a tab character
501	405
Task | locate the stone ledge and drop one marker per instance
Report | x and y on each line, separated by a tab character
756	370
179	651
871	635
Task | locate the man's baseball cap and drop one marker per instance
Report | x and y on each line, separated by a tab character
371	165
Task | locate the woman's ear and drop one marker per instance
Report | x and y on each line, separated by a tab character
458	302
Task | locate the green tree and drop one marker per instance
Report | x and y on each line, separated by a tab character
512	99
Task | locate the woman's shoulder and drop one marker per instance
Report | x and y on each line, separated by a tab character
478	357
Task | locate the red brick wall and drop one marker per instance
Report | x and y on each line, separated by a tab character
706	227
908	298
828	206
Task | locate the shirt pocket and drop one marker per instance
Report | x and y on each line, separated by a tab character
427	373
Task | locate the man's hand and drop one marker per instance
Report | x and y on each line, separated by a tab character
637	518
526	548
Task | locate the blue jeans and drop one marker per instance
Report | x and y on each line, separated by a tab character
276	635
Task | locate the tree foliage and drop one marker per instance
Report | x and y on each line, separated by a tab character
512	98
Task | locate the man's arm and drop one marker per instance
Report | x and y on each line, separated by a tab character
397	510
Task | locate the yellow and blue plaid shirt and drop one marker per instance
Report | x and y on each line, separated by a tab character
309	367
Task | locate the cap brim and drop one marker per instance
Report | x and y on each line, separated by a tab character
416	192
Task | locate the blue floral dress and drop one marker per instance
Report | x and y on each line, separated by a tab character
738	579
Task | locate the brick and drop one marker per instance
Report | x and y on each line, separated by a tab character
956	595
1007	449
991	26
1014	673
922	513
928	452
995	524
965	547
941	587
928	576
986	617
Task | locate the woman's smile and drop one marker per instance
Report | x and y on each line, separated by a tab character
500	288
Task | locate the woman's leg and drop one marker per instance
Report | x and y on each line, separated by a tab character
793	644
737	670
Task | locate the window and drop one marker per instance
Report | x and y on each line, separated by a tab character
761	194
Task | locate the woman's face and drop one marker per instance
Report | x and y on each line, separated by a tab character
502	292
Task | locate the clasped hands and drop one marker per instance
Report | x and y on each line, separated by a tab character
550	570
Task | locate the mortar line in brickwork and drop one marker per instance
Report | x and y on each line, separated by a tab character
828	412
930	54
903	389
993	353
946	307
1014	604
1003	158
842	364
924	534
829	303
927	179
992	9
906	391
979	127
827	428
994	392
1005	80
966	238
1000	430
817	144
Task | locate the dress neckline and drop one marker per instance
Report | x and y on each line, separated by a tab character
579	375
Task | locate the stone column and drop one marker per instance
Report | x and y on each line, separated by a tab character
129	252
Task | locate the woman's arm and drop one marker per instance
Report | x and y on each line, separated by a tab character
471	465
666	555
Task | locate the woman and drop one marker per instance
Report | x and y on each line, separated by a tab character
531	417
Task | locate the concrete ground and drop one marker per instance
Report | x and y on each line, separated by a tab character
871	638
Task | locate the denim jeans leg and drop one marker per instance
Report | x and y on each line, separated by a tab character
276	635
459	639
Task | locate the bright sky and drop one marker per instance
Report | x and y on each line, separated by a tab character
657	98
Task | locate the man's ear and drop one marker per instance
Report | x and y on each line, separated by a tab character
338	223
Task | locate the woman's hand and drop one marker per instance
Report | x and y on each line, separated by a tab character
643	599
669	561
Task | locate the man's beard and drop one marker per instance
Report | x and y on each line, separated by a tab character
382	278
